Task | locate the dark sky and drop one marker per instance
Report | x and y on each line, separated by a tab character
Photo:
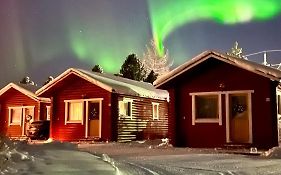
39	38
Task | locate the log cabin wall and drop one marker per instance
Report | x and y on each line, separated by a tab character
142	125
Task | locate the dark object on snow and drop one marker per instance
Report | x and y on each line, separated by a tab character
39	130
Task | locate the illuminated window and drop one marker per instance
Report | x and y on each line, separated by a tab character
15	114
125	108
206	108
48	112
74	112
155	111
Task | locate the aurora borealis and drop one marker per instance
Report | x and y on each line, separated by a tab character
167	16
39	38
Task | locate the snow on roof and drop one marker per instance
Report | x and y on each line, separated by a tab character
111	83
266	71
26	90
127	86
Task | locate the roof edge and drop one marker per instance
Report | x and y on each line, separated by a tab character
23	91
203	57
65	74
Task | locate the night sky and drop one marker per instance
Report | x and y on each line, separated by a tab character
39	38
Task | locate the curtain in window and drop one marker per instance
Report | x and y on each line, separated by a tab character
75	111
16	115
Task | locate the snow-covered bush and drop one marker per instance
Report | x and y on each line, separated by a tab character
274	152
10	154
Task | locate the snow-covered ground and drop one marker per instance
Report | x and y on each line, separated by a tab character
148	157
49	158
153	157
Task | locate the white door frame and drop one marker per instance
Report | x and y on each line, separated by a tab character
99	100
249	95
278	92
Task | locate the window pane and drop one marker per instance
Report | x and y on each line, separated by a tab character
128	108
155	111
48	113
122	110
125	108
206	107
75	111
16	115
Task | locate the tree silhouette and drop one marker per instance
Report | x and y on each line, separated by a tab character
97	68
133	68
152	76
26	81
50	78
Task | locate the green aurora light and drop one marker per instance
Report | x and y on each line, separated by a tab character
106	41
167	15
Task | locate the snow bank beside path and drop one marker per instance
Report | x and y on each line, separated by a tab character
11	154
274	152
20	157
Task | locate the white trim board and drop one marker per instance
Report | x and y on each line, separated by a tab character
210	120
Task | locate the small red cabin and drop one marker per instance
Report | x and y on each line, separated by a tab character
220	100
16	103
90	105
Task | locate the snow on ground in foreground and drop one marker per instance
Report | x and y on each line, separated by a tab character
13	153
274	152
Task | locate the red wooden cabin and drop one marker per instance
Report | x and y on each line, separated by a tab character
90	105
16	103
220	100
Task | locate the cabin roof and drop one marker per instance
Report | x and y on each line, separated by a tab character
266	71
27	90
111	83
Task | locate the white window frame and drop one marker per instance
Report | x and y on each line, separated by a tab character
155	116
48	112
127	100
10	115
211	120
22	116
66	111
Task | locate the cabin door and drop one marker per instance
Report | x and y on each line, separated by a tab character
94	115
239	117
27	118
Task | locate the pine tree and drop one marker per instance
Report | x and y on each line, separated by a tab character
26	81
152	61
133	68
97	68
152	76
50	78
